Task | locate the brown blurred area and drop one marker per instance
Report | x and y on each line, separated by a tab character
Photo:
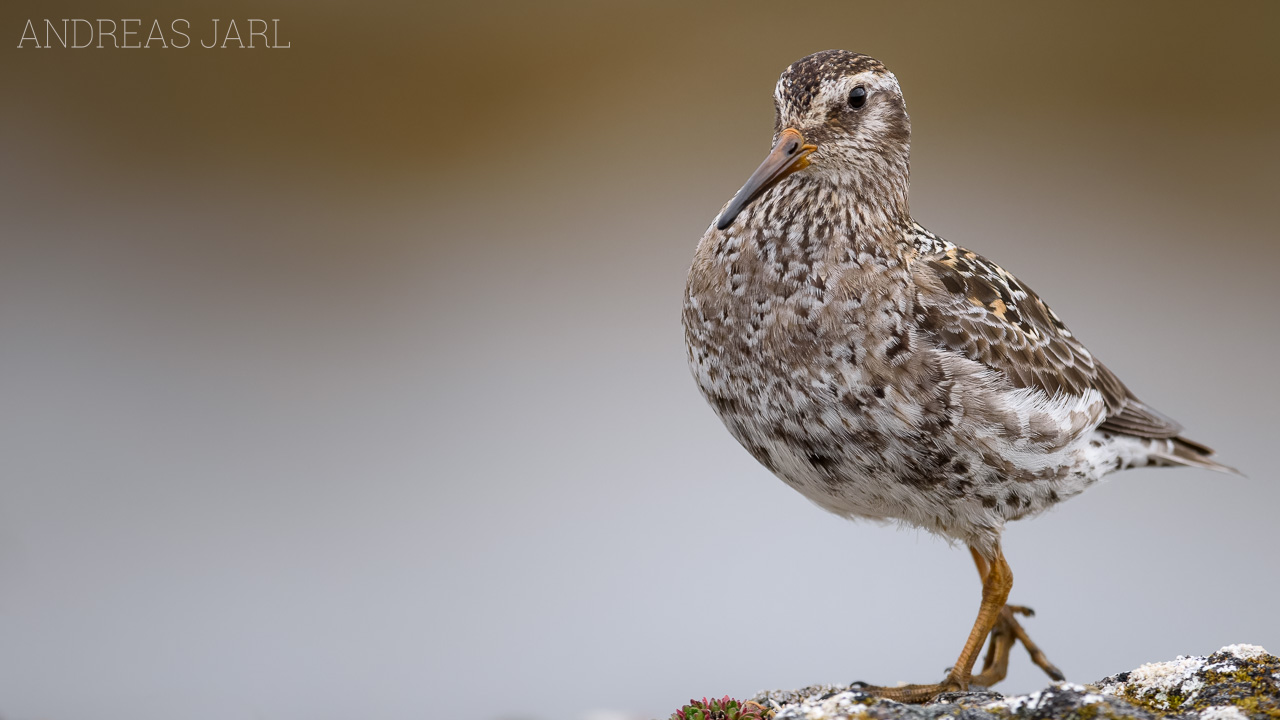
347	380
391	90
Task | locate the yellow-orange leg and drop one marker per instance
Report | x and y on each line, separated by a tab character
996	583
1006	632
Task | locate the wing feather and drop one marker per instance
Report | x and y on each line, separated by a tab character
972	306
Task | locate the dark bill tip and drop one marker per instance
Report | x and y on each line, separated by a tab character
788	155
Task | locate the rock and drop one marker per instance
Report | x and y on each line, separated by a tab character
1239	682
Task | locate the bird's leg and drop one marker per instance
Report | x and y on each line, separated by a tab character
997	659
996	664
996	583
1006	632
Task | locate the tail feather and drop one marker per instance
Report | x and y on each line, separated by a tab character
1181	451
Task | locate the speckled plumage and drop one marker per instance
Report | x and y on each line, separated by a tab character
880	370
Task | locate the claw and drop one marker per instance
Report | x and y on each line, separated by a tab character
997	621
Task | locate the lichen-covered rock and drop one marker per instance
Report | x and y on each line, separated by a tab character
1063	700
1239	682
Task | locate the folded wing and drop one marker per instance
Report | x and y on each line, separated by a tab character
974	307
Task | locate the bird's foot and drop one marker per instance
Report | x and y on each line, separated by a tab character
1009	624
916	694
1006	633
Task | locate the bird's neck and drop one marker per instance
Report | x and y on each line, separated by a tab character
863	212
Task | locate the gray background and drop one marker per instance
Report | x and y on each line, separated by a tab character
348	380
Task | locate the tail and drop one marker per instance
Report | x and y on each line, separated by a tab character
1181	451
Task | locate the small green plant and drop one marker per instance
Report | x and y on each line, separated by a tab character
725	708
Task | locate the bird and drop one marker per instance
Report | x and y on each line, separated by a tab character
888	374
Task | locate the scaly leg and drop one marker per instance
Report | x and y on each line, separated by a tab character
1006	632
996	583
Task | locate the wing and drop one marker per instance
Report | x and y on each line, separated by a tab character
972	306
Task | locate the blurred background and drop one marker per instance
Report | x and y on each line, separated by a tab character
347	380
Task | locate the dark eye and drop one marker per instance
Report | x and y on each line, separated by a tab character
857	97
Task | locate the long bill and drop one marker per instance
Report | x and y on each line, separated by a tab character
788	155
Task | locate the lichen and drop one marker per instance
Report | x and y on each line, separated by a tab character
1239	682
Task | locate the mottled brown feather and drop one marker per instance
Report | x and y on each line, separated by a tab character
974	307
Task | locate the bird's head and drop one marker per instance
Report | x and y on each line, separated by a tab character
840	117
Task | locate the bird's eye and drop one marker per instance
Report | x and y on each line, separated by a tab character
857	97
